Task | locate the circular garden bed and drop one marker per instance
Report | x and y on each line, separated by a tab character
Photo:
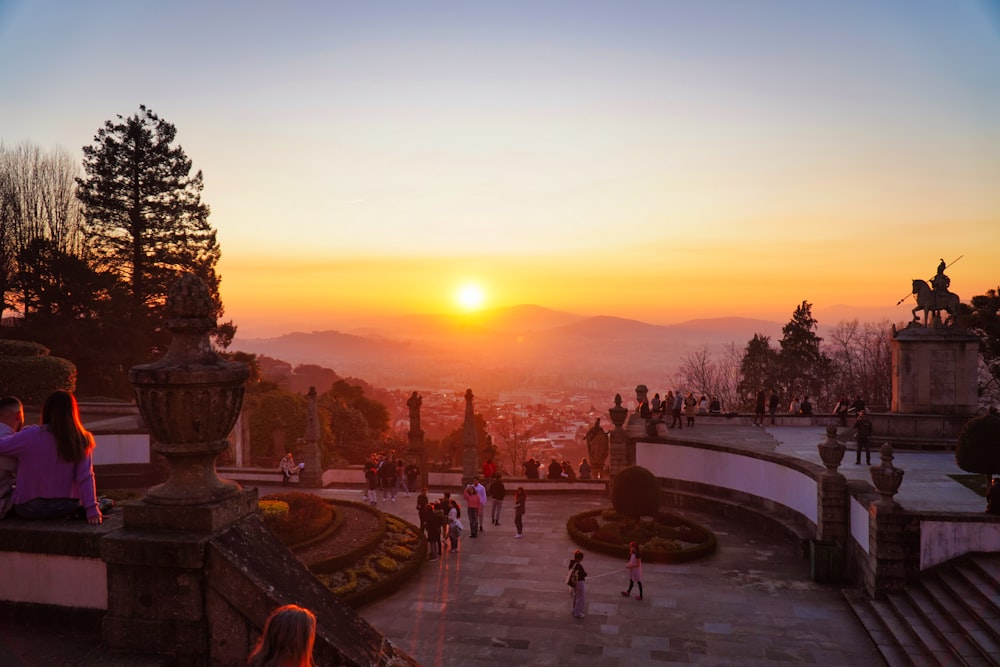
379	554
662	538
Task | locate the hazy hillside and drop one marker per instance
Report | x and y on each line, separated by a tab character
511	348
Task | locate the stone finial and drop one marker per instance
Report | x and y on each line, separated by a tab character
831	451
886	477
190	400
618	413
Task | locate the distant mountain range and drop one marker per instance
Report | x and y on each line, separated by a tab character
509	348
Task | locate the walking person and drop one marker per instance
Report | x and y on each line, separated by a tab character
675	410
772	405
758	412
472	504
483	497
454	526
578	577
634	568
519	498
497	493
863	435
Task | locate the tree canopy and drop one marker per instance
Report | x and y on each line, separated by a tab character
143	214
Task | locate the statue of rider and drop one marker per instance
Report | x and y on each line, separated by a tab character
941	281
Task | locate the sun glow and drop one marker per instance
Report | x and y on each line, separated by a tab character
470	297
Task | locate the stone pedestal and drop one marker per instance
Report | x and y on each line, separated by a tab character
934	371
618	439
888	550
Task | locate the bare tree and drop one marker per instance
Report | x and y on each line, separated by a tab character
701	373
38	205
862	358
509	440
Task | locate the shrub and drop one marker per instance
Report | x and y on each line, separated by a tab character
586	524
273	510
26	371
635	492
978	447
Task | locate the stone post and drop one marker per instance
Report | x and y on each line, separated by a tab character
156	566
312	475
832	497
887	530
618	460
470	442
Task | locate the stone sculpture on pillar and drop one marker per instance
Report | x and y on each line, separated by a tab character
416	437
597	448
618	437
470	441
312	475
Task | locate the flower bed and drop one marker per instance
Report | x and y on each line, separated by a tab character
662	538
299	519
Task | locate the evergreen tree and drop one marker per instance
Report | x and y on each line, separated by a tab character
143	214
982	315
805	369
758	370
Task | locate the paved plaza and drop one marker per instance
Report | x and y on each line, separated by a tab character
503	601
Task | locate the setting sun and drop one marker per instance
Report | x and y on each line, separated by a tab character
470	297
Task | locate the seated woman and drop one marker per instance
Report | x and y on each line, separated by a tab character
55	472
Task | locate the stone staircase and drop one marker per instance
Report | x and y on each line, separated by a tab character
951	616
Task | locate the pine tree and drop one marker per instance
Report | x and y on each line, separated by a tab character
759	369
804	367
144	218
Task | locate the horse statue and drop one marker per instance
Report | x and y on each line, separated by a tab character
932	302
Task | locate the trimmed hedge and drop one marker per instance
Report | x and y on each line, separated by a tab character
308	519
614	531
635	492
28	372
978	447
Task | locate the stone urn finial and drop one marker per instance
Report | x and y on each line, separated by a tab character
886	477
190	400
618	413
831	450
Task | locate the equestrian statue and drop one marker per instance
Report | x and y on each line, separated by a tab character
934	298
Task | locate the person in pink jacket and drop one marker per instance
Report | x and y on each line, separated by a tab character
55	471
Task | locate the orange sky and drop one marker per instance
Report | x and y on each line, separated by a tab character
659	161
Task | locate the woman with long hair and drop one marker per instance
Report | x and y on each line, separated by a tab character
55	471
634	567
288	639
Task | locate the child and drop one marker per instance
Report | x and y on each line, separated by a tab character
634	567
580	590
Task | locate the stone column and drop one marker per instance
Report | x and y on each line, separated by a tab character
415	436
312	476
470	442
887	522
618	460
190	400
832	499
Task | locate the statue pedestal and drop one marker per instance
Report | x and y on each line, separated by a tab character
934	371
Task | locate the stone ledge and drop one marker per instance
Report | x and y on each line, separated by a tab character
64	537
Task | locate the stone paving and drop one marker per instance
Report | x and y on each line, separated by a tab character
502	601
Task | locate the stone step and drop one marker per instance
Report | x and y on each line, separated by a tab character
916	637
959	649
972	641
930	624
893	640
983	598
989	567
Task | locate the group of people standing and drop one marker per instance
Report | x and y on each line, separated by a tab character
681	409
441	521
46	470
388	476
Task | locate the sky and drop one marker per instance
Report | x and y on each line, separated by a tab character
658	160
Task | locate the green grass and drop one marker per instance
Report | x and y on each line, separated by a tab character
975	482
